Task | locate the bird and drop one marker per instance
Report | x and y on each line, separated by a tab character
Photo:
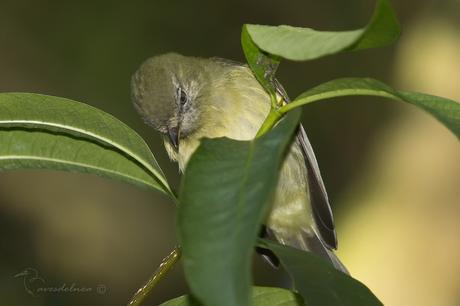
188	98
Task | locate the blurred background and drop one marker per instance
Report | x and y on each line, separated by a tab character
392	171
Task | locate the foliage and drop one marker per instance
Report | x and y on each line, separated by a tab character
261	296
75	137
219	215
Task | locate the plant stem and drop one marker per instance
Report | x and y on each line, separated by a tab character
166	265
273	117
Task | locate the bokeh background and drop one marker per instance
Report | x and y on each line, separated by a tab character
392	172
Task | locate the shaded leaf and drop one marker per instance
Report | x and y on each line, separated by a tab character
318	282
262	64
225	194
33	149
261	296
55	114
445	110
302	44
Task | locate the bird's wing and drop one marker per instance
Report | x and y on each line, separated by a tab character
318	196
322	211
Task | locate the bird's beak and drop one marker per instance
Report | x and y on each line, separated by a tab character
173	135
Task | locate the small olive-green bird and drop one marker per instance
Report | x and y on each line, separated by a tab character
189	98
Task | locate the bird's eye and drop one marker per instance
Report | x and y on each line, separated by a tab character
182	96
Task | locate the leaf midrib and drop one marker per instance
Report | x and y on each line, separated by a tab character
82	165
334	94
156	174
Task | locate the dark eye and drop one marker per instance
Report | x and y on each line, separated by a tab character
182	97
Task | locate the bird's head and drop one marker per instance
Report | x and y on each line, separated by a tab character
166	91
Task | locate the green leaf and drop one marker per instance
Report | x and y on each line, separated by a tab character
300	44
263	65
34	149
445	110
261	296
318	282
225	194
54	114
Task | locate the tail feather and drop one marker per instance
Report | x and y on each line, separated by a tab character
309	241
314	244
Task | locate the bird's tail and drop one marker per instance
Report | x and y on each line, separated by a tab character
311	242
306	241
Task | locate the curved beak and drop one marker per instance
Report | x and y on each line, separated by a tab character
173	135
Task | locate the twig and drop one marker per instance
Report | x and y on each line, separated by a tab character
166	265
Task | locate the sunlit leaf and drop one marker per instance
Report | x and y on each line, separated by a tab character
54	114
302	44
445	110
33	149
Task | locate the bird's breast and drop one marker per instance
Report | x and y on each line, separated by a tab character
235	108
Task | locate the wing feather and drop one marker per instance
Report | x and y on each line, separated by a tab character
321	207
322	211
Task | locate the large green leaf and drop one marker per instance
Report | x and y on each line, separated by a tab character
28	148
261	296
302	44
318	282
54	114
445	110
225	194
